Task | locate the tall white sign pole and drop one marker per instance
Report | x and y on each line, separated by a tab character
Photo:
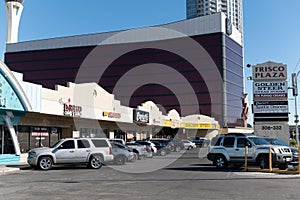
14	10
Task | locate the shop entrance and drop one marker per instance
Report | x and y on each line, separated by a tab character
6	143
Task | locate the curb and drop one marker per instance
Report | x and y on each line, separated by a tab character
5	170
10	168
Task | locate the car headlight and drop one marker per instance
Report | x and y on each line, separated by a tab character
32	154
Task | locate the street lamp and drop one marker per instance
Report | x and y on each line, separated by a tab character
295	94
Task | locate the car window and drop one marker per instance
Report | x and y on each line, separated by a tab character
119	145
100	143
216	141
259	141
228	142
276	141
67	145
242	143
83	144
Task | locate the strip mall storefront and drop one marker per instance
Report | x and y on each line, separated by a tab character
78	110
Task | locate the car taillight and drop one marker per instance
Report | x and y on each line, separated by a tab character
110	150
147	149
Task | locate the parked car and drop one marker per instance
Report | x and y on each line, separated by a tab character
277	141
141	150
231	149
189	144
199	141
148	145
122	154
163	146
91	151
179	145
117	140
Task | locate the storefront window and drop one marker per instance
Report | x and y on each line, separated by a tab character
30	137
92	133
23	138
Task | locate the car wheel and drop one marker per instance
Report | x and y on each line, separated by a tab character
163	152
283	166
135	157
220	162
45	163
96	162
189	148
120	160
177	149
263	162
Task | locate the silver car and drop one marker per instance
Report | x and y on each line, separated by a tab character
91	151
122	154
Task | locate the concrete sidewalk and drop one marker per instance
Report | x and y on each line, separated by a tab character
14	167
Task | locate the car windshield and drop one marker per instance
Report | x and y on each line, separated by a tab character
55	144
276	141
259	141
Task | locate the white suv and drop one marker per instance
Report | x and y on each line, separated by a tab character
91	151
230	148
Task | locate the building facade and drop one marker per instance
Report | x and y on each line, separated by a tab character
232	8
206	52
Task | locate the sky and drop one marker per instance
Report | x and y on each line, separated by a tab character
271	27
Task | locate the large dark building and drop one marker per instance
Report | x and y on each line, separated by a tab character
193	66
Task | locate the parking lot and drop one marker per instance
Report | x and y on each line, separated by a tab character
187	177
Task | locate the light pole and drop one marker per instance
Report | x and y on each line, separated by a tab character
295	94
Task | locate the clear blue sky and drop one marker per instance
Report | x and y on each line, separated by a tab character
271	27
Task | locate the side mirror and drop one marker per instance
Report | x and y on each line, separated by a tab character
248	144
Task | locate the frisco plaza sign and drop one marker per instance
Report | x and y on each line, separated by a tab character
269	71
270	99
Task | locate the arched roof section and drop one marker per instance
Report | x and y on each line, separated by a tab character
12	96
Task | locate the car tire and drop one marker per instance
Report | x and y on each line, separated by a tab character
120	160
263	162
135	157
283	166
95	162
220	162
163	152
45	163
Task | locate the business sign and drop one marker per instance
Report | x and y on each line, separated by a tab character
111	114
270	107
274	89
171	123
198	126
269	71
269	129
72	110
140	116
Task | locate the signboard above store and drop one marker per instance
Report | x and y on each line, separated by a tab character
140	116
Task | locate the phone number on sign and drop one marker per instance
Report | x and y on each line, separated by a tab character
271	128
